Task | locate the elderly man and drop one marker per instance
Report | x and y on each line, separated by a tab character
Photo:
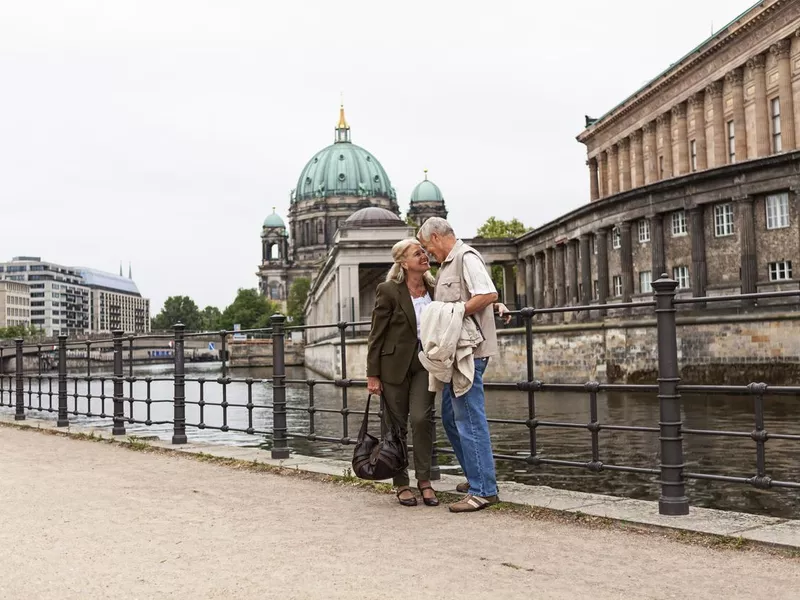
463	277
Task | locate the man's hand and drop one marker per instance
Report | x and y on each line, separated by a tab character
502	309
374	385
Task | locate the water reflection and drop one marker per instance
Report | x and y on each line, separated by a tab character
717	455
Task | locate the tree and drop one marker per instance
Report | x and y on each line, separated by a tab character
298	294
250	309
210	318
20	331
178	309
497	228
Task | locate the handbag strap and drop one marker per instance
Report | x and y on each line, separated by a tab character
365	422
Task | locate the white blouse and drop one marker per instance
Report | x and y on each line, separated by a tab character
419	305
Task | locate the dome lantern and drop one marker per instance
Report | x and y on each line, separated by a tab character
274	221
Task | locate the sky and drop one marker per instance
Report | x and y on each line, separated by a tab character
161	133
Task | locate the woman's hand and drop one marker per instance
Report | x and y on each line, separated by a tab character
374	385
502	309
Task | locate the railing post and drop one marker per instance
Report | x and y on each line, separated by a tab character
63	419
280	443
20	383
179	397
119	408
673	500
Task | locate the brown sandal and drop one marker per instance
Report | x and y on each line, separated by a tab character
463	488
428	501
406	501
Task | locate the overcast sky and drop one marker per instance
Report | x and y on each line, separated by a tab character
163	132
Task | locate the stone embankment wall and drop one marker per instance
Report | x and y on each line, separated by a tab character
258	353
712	349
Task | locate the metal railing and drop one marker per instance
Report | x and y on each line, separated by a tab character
26	392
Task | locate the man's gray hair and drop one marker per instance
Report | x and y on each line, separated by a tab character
435	225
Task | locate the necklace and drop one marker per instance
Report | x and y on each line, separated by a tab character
417	291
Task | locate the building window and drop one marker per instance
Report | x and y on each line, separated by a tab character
731	143
777	211
644	231
693	154
723	220
645	281
681	275
661	167
780	271
617	285
679	223
777	143
616	238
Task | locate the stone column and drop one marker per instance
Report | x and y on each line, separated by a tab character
594	193
560	275
522	284
638	158
698	273
549	277
601	241
782	51
651	147
665	127
714	92
625	159
679	119
509	285
538	279
736	80
747	225
626	260
586	269
758	64
603	175
572	273
613	163
698	104
657	246
531	284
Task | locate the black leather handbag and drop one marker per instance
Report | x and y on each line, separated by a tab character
376	459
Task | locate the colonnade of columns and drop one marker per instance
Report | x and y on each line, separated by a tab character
636	159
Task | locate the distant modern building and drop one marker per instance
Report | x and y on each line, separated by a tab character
115	302
76	301
15	304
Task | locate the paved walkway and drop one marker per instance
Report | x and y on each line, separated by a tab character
85	520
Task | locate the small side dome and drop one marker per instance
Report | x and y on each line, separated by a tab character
373	216
426	191
274	221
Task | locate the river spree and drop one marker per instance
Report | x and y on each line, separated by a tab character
717	455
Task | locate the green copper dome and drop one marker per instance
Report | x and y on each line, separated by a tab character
274	221
343	169
427	191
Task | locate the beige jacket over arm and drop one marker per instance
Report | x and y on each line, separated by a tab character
448	341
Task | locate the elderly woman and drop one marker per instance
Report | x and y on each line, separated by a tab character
393	368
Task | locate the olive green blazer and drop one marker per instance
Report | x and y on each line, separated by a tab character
392	341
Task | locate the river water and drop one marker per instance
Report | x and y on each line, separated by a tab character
714	455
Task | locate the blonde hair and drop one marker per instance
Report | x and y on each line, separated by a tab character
399	251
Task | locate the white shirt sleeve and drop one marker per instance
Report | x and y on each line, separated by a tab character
477	277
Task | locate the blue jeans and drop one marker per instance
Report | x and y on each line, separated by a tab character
464	421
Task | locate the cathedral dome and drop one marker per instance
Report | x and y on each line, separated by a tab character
343	169
373	216
427	191
274	221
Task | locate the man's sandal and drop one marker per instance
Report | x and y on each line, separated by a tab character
463	488
428	501
412	501
473	503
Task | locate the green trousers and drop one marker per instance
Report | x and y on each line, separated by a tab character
412	398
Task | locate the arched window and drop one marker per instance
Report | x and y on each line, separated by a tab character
274	290
275	252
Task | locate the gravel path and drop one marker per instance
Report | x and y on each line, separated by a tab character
84	520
